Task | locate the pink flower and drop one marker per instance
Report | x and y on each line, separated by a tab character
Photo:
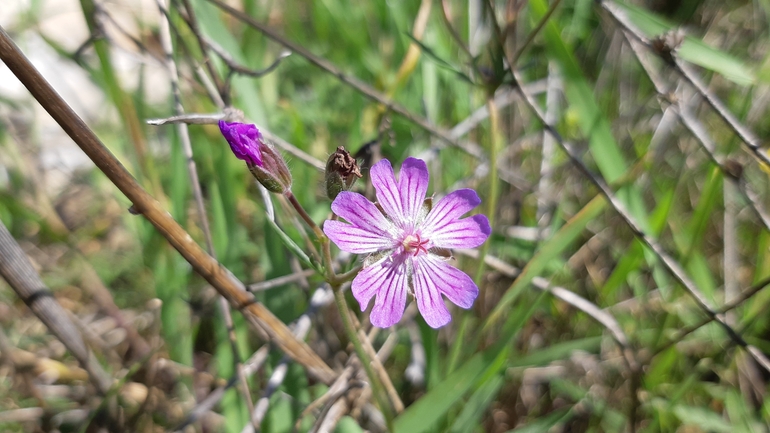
405	239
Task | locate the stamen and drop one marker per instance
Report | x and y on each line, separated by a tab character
415	243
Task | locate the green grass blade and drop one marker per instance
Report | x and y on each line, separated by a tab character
433	406
549	250
693	50
547	422
477	405
294	248
429	409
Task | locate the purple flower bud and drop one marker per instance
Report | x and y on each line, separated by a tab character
244	140
262	159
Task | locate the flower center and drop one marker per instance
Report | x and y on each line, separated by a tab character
415	243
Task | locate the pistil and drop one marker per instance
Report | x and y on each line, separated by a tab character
415	243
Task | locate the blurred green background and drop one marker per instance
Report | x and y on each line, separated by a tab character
579	326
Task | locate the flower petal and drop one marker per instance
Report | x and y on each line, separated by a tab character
451	207
434	277
388	194
244	141
362	213
455	284
366	284
387	280
413	183
354	239
463	233
428	295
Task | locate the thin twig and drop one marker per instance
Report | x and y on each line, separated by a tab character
600	315
189	17
280	281
240	69
696	128
190	119
534	32
446	14
470	148
751	140
729	306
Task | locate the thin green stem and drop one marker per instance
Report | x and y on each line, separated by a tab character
326	250
305	217
335	282
458	346
494	180
533	33
347	276
377	390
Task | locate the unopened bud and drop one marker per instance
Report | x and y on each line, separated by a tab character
263	160
341	172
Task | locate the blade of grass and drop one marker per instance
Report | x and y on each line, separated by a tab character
434	405
477	405
692	49
592	121
547	252
546	423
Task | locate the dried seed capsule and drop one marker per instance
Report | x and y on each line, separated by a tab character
341	172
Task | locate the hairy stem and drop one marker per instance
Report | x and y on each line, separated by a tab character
347	276
305	217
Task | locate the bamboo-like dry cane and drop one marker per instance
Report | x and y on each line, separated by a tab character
17	270
217	275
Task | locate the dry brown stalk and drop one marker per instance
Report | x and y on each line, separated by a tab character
18	271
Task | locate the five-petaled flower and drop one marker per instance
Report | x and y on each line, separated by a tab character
407	241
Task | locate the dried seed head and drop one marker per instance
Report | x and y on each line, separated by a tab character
341	172
667	44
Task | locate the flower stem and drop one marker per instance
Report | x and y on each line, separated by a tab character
494	182
303	213
326	250
335	282
384	403
347	276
